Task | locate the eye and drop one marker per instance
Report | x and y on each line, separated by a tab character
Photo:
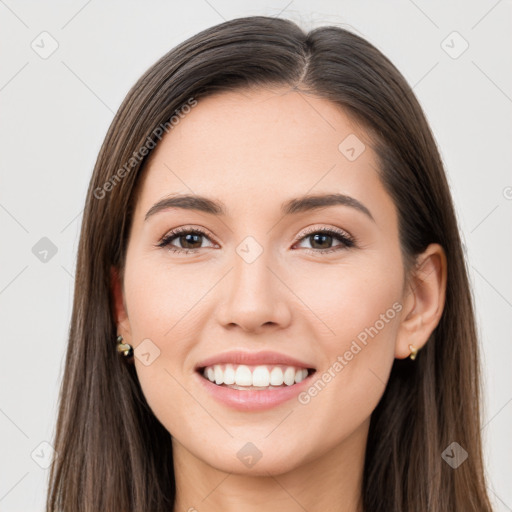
190	239
322	239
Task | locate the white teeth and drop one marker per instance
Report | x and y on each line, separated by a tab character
259	376
289	376
276	377
229	374
219	376
243	376
300	376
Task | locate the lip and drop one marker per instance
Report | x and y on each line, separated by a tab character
253	358
253	400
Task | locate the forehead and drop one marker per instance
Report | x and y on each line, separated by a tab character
252	148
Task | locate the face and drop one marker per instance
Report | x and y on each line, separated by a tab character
321	286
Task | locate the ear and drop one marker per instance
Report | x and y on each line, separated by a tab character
119	306
424	299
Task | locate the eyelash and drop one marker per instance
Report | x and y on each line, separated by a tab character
346	240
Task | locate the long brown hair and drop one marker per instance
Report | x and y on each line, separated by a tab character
113	454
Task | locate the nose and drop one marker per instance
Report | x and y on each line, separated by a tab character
255	298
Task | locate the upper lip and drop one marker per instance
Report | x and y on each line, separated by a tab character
253	358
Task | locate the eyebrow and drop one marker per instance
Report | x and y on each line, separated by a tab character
290	207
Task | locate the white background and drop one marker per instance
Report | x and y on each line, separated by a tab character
55	113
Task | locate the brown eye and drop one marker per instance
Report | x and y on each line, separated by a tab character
321	241
190	240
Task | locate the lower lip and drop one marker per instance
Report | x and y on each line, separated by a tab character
253	400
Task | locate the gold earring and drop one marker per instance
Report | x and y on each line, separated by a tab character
124	348
414	352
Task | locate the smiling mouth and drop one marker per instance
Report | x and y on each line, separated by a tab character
254	377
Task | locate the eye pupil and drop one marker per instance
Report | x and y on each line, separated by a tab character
319	237
190	238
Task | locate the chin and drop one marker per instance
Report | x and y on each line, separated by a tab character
254	459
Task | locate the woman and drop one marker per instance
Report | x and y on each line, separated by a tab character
271	306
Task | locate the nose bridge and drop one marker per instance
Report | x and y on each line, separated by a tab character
253	294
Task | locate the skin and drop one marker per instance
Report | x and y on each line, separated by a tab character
253	150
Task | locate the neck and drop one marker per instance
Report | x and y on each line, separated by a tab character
330	482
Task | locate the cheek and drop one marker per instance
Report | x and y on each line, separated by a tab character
360	315
356	299
160	300
157	297
357	359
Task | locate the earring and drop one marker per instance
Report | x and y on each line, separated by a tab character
414	352
124	348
